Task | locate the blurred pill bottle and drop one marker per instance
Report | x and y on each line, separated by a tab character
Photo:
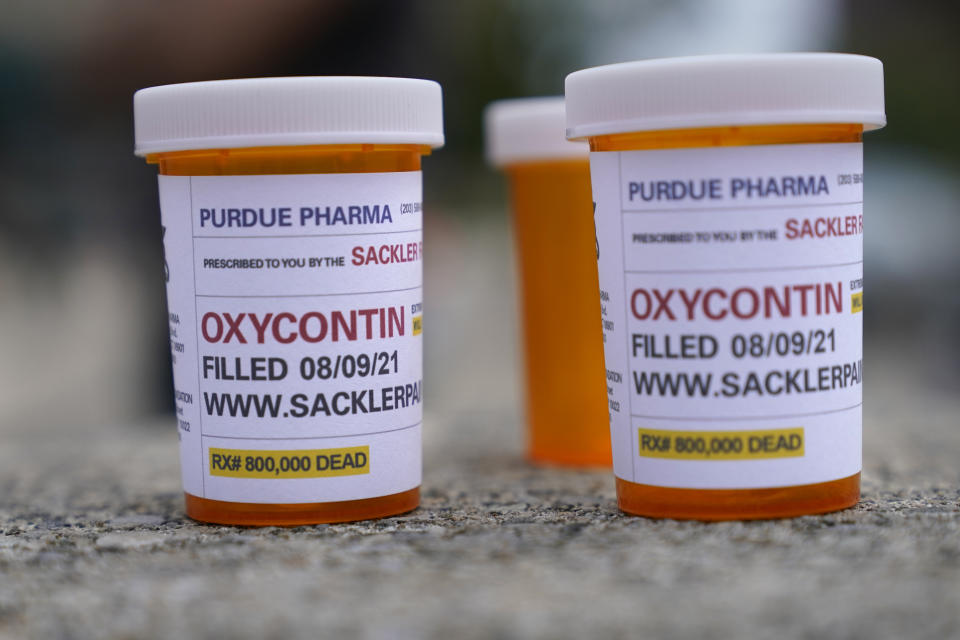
292	228
729	196
549	180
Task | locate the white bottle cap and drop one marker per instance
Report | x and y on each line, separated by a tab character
725	90
528	130
265	112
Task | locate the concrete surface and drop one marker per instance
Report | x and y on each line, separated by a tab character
94	543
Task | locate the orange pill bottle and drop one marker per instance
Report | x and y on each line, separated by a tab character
552	216
729	208
292	228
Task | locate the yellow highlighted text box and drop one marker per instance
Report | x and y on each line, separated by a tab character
417	325
298	463
761	444
856	302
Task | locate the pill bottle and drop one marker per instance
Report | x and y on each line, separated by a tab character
292	217
549	180
729	215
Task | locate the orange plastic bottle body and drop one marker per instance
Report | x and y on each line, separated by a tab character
730	504
565	396
366	158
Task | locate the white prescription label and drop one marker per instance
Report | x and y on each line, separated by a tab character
731	290
295	310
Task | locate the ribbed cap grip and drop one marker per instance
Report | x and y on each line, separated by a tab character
725	90
260	112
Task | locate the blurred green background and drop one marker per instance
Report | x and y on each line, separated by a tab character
83	335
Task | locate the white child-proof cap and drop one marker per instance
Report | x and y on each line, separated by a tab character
528	130
725	90
264	112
